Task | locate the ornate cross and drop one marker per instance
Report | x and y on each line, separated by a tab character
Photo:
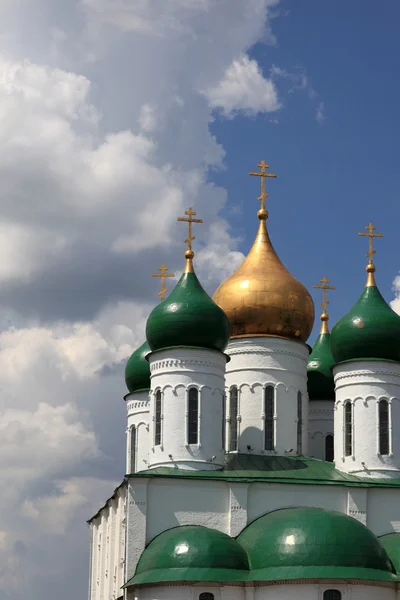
371	235
263	165
190	221
324	287
163	275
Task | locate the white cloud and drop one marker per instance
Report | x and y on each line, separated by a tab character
395	304
244	89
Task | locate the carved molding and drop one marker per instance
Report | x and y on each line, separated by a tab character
264	352
184	363
365	373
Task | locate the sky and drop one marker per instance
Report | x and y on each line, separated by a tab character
115	117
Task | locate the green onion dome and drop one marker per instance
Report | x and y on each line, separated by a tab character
320	383
188	317
191	553
391	543
370	330
137	370
313	543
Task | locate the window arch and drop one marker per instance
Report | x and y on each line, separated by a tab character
332	595
206	596
269	429
329	447
383	427
157	419
133	449
193	416
348	429
233	422
299	423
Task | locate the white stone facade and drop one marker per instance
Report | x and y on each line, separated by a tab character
257	363
137	431
320	427
361	387
174	373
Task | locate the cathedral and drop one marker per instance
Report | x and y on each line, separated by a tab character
257	468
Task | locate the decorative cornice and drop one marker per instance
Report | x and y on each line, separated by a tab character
264	352
182	363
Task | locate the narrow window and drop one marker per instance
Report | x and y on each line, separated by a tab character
348	430
206	596
329	447
193	416
157	424
223	432
133	449
299	423
233	414
269	433
383	427
332	595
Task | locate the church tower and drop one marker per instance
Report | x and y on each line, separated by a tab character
187	334
271	315
321	387
365	344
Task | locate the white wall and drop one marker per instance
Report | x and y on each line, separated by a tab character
320	424
174	371
257	362
364	384
294	591
108	549
138	409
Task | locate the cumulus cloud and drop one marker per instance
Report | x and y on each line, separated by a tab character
395	304
243	88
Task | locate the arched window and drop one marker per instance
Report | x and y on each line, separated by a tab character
348	429
133	449
206	596
193	417
383	427
329	447
157	420
233	423
332	595
269	429
299	423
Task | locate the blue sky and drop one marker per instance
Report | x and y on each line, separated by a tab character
335	176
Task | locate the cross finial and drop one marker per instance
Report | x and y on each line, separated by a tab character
370	268
324	317
263	213
189	254
163	275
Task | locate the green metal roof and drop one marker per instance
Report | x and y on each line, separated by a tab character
320	384
272	469
188	317
391	543
191	553
137	370
371	329
311	543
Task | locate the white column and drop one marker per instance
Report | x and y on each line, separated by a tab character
258	362
138	409
362	385
320	424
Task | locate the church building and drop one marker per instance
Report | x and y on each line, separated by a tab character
257	468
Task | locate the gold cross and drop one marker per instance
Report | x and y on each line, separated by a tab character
371	235
190	221
263	165
324	287
163	275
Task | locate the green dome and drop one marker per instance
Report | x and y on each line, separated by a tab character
391	543
302	543
188	317
320	383
137	370
371	329
191	553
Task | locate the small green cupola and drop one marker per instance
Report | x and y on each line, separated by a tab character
188	317
137	370
320	383
371	329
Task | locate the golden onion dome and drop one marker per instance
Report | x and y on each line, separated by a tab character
262	298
